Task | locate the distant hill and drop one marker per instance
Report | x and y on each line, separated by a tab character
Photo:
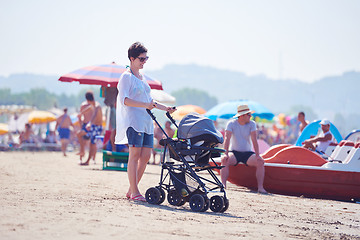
26	81
328	97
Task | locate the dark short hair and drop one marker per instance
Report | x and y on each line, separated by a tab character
65	110
302	113
136	49
89	96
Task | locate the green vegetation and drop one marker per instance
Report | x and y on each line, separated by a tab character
42	99
195	97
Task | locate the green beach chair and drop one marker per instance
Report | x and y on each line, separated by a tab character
115	160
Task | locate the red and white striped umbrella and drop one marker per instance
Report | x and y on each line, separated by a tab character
105	75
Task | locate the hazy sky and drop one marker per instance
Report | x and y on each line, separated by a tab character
301	39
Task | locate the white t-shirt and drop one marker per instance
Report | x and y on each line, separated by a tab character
136	117
240	139
322	146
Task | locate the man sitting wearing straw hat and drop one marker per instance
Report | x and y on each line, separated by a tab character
238	133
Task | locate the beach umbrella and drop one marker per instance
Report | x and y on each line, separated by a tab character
186	109
4	128
75	120
228	109
38	117
105	75
162	96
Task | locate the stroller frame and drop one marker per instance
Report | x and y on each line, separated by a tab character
181	180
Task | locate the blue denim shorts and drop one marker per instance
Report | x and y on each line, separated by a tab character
139	139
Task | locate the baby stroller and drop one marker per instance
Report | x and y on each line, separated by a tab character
190	154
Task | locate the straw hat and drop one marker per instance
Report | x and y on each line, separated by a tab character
242	110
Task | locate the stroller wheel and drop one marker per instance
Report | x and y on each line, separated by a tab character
226	205
182	202
162	194
197	202
207	203
153	195
174	198
216	203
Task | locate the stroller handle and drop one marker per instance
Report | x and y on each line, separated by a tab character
151	114
171	119
154	119
167	114
157	123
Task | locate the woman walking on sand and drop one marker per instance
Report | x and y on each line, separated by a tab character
134	125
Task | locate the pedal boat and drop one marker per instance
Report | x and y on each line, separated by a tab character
296	171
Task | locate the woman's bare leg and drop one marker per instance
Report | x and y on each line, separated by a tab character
132	169
143	159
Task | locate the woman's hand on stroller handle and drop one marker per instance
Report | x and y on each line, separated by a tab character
171	109
154	104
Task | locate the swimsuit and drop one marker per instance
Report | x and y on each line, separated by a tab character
95	130
64	133
242	156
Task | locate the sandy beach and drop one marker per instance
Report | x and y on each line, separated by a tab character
47	196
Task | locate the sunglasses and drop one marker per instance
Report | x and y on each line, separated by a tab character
143	59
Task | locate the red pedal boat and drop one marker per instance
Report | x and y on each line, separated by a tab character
296	171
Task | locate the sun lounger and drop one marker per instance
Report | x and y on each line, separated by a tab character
30	147
4	147
51	147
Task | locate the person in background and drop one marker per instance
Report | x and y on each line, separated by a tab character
303	122
111	146
133	124
86	113
168	129
63	124
238	133
94	126
320	143
28	135
50	138
11	142
158	135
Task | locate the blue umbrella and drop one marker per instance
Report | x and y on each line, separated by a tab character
228	109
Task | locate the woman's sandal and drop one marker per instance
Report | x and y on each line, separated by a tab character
128	195
139	198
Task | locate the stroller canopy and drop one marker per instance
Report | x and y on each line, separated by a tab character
195	125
